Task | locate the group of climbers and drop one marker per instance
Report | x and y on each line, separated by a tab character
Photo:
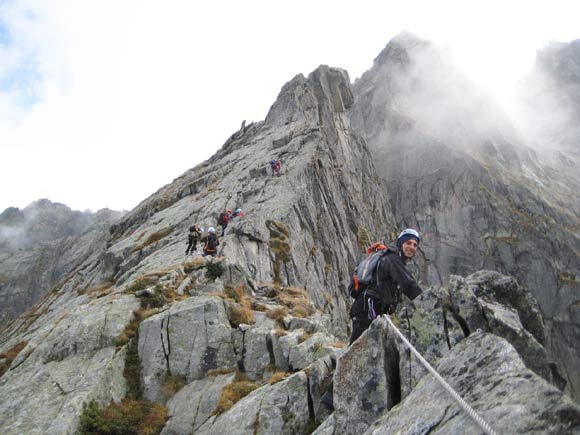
376	284
209	239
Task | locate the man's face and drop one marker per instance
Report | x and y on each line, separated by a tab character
410	248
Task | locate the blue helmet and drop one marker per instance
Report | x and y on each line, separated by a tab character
408	234
272	162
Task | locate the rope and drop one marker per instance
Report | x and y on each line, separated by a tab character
468	409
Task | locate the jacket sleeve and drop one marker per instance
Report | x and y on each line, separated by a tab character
401	275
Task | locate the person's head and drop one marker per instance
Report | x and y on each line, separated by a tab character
238	210
211	230
408	242
228	211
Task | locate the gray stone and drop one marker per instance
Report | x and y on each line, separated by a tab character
281	408
488	374
194	405
190	338
366	381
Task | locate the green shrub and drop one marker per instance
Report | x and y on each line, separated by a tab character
130	417
141	284
214	269
156	300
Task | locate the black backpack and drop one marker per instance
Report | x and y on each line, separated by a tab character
211	243
365	274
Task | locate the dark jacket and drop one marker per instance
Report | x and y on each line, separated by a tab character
393	277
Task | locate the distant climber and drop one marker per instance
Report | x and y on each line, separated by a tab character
224	219
210	243
382	293
192	238
238	213
276	165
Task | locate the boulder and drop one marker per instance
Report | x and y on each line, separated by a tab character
190	338
487	372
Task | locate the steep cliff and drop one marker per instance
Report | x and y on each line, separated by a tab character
40	245
253	341
457	170
302	230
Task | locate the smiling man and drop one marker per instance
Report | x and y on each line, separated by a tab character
390	276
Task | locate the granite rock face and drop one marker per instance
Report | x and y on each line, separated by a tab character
457	170
487	373
269	314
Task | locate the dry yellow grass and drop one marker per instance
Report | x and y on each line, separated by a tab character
241	314
172	384
277	314
219	371
277	377
232	394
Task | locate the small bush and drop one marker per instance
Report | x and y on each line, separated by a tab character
214	269
232	394
130	417
141	284
156	300
195	264
259	307
236	293
241	314
277	314
299	305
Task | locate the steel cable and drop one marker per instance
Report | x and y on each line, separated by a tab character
468	409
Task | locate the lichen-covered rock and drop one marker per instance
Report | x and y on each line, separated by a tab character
66	363
281	408
190	338
488	374
366	381
194	404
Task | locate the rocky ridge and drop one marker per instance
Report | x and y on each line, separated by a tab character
270	315
457	170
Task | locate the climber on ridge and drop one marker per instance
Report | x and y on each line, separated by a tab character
192	238
224	219
389	273
210	243
238	213
276	165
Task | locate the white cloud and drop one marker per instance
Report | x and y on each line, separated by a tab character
135	92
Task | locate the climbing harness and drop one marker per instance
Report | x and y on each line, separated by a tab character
468	409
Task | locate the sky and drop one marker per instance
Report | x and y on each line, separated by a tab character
104	102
